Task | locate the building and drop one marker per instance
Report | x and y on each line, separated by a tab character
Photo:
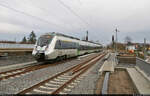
130	47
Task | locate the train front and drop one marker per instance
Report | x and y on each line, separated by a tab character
41	46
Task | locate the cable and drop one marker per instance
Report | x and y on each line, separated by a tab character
72	11
47	11
21	12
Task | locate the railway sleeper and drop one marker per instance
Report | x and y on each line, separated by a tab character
46	87
56	82
64	78
41	92
67	90
60	80
51	85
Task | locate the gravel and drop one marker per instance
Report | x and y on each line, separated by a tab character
88	83
17	84
124	84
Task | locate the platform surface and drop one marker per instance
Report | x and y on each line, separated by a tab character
141	83
109	64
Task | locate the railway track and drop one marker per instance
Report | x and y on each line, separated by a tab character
63	82
21	71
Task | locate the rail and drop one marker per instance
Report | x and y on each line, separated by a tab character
62	83
27	69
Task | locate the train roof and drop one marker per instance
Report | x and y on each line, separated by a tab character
60	34
91	42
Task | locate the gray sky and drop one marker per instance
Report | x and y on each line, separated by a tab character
73	17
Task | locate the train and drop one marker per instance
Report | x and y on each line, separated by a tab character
51	46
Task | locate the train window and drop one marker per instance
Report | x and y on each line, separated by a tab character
58	44
66	45
81	47
63	45
70	45
44	40
77	46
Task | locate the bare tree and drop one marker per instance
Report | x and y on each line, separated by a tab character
128	40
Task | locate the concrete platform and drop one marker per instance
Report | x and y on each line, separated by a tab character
140	82
109	65
143	73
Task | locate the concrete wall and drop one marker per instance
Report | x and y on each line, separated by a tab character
126	60
140	63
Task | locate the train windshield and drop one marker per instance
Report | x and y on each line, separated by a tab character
44	40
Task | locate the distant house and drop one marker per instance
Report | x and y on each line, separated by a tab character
138	46
130	47
148	51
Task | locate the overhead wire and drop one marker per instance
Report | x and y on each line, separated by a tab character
73	12
26	14
47	11
43	20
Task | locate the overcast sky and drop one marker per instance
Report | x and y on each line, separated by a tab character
74	17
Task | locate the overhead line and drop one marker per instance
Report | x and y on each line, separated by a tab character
43	9
21	12
72	11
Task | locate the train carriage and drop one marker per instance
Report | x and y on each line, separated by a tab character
55	45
